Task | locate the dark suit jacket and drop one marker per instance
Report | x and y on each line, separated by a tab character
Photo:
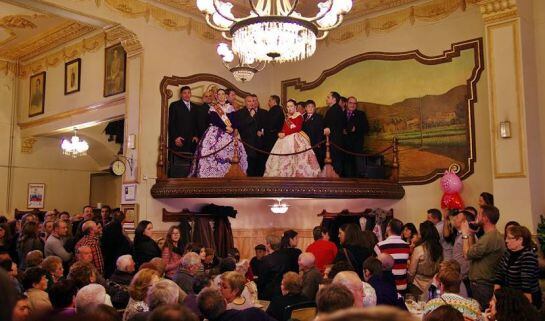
273	269
358	122
183	123
248	127
276	120
314	127
113	244
145	249
335	120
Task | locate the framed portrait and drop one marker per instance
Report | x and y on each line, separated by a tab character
36	100
72	76
36	195
131	216
128	194
115	62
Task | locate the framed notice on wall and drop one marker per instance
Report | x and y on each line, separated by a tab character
128	194
36	195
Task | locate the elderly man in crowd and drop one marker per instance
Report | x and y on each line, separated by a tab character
191	264
124	271
162	293
90	296
353	282
310	274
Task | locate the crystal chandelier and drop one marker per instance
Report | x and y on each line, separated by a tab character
75	146
241	71
274	30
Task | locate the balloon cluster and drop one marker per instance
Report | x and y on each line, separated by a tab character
451	185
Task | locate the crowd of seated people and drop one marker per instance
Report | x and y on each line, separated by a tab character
276	142
85	267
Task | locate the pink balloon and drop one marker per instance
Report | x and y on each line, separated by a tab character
451	183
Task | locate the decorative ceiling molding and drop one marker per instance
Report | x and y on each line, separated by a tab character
8	67
498	10
8	23
430	11
158	10
90	44
127	38
44	42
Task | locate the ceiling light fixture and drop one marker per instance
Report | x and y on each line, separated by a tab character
279	207
75	146
274	31
241	71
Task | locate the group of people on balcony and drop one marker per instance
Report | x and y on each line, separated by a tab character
278	142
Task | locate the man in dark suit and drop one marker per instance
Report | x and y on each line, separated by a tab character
274	265
252	124
204	122
275	121
334	124
313	126
183	132
355	131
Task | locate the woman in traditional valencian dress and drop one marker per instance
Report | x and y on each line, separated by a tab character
218	135
291	140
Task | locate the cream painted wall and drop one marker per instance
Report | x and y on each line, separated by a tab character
105	189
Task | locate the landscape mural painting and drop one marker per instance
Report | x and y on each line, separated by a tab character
426	102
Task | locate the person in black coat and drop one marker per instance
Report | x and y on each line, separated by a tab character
313	126
334	125
203	118
183	131
252	122
385	287
114	242
355	131
145	248
353	249
276	120
273	268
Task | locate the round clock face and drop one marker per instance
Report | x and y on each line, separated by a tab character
118	168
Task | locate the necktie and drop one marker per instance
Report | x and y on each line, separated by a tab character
252	112
188	105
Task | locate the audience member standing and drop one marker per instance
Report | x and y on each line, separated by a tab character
458	249
484	255
275	264
54	245
172	252
114	242
353	249
91	239
398	249
275	121
425	259
288	246
145	247
324	250
436	217
518	268
252	123
29	241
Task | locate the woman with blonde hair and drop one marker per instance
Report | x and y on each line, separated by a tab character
172	252
138	290
231	286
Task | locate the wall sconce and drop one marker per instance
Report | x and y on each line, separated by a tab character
505	129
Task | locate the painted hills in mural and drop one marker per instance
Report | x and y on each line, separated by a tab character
432	130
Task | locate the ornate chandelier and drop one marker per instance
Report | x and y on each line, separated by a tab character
274	30
241	71
75	146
